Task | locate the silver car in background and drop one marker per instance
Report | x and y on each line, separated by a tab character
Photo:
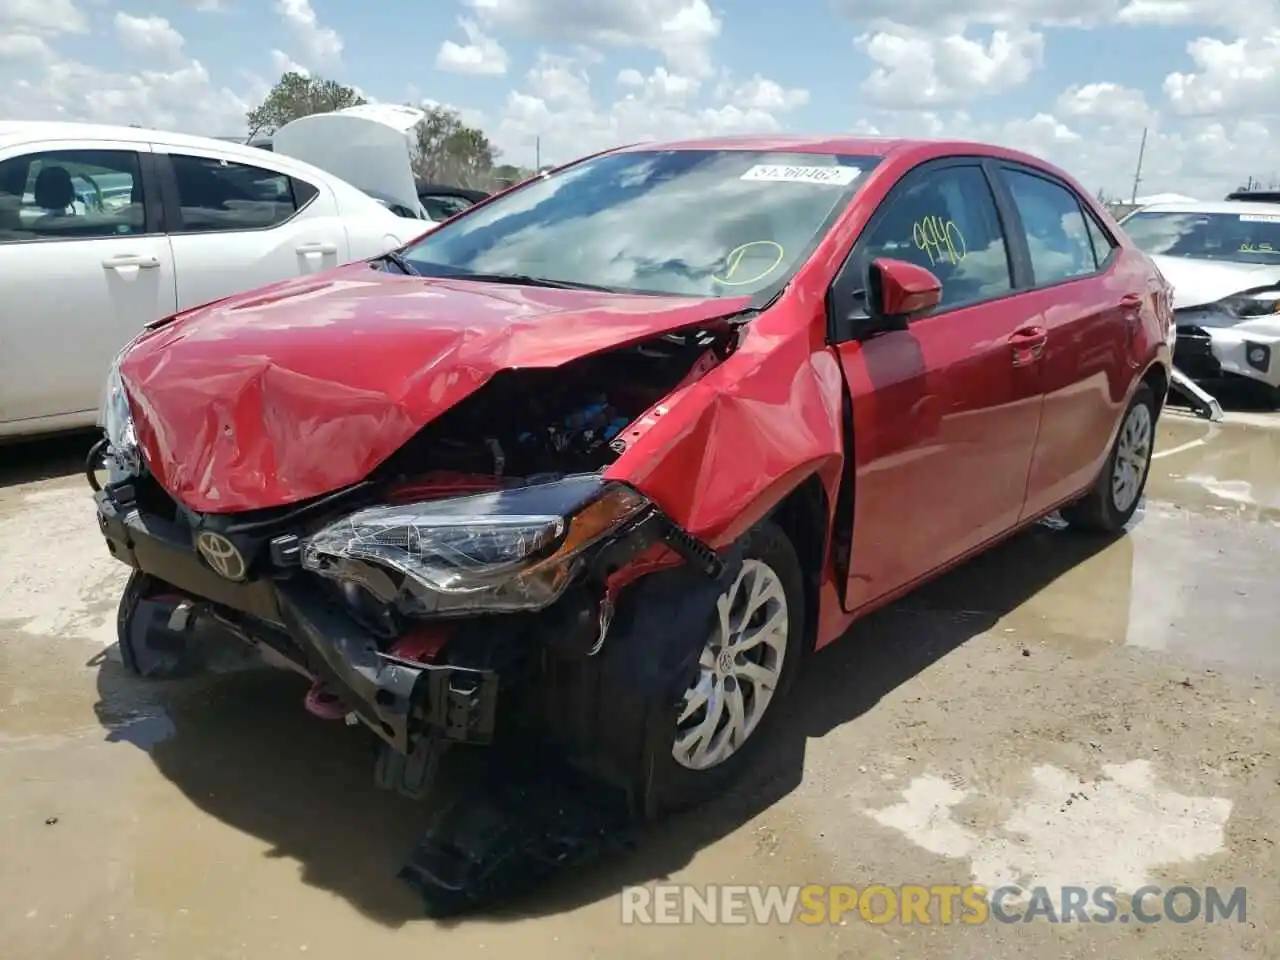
1223	259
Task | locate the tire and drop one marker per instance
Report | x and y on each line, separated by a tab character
767	555
1112	500
148	648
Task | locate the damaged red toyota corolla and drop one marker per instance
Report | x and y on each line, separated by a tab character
599	461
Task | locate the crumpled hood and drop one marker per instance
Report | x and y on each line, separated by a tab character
301	388
1198	282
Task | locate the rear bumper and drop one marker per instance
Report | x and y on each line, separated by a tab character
402	701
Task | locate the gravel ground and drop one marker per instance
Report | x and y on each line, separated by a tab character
1055	713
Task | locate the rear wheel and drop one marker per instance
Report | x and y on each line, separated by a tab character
1115	495
718	722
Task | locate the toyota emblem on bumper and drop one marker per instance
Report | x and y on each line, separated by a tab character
222	555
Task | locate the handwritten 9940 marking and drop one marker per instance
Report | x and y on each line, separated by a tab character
940	240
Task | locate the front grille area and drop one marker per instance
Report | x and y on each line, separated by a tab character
1193	354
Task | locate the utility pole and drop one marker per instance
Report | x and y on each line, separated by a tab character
537	154
1137	174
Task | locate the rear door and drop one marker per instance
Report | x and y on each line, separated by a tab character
236	226
81	272
1089	302
945	413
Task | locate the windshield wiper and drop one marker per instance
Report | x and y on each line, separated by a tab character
524	280
397	258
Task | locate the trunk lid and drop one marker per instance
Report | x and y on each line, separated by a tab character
369	146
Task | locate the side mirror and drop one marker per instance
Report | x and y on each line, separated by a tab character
897	289
894	291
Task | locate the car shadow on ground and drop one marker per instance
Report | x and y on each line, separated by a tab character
46	458
241	748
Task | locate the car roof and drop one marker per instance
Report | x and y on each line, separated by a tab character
1212	206
20	132
913	149
832	143
15	132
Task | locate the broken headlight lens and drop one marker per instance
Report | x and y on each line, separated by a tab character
124	457
514	549
1257	303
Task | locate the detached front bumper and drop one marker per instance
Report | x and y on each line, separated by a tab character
403	701
1213	352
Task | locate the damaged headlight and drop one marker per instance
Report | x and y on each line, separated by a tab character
116	419
1255	303
511	550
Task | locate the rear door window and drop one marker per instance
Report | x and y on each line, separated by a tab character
1057	234
1103	245
217	195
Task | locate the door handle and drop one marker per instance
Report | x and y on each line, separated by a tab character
1130	301
322	248
130	260
1028	344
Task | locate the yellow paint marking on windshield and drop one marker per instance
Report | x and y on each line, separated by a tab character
940	240
734	260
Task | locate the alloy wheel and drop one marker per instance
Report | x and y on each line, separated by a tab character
738	671
1133	453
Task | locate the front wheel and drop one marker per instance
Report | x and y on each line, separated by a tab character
744	670
1115	495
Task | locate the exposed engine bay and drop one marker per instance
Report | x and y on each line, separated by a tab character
526	423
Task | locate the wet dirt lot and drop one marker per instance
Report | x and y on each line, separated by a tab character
1058	712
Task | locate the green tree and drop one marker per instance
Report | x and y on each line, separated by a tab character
296	95
448	151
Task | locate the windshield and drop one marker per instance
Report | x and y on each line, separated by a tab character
1238	237
706	223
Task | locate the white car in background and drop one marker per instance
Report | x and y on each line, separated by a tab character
105	228
1223	260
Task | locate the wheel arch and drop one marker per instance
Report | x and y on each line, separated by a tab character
804	515
1157	378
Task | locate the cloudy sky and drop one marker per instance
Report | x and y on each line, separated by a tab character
1073	80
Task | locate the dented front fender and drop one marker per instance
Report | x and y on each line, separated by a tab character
717	455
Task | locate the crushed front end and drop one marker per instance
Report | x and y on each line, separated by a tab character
448	598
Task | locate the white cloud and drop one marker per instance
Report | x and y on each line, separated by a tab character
1234	79
953	16
481	54
1202	159
184	98
282	63
24	49
681	30
1241	19
761	93
150	36
319	43
48	17
1105	102
558	108
915	70
1216	122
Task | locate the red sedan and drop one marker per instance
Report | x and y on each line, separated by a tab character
595	464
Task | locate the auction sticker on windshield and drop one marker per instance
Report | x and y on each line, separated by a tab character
780	173
1254	217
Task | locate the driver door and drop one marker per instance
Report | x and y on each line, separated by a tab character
945	413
